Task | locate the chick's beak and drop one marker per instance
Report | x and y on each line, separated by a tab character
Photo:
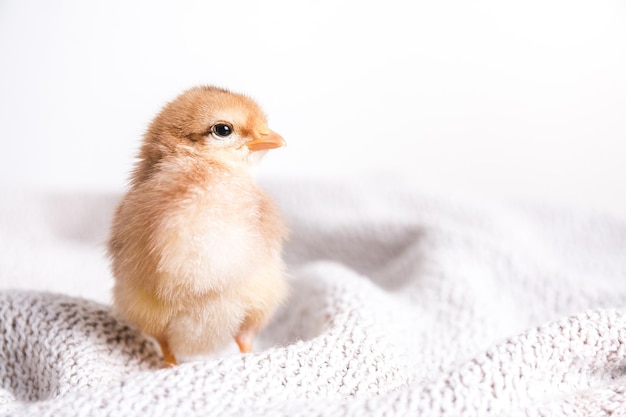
268	139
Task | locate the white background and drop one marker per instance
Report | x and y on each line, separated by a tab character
521	100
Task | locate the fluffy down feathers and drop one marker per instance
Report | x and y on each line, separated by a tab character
195	244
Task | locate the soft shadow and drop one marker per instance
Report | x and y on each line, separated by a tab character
82	217
387	254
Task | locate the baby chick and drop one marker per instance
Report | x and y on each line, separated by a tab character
195	244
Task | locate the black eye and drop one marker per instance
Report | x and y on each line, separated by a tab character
222	130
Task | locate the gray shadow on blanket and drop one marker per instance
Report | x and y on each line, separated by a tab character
389	255
305	315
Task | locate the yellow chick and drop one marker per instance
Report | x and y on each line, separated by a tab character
195	244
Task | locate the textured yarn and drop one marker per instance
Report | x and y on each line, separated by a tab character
401	304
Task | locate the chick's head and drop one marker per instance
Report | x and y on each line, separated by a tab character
209	122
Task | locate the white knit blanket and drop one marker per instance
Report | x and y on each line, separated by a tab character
402	304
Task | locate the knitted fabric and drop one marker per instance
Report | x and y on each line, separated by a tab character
401	304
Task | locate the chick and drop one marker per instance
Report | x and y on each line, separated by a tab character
195	244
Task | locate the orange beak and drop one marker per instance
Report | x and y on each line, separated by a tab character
268	140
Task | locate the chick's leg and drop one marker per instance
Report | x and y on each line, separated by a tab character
262	294
168	356
244	340
248	331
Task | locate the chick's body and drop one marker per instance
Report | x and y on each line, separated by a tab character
195	243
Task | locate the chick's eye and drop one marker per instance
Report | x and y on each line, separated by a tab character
222	130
